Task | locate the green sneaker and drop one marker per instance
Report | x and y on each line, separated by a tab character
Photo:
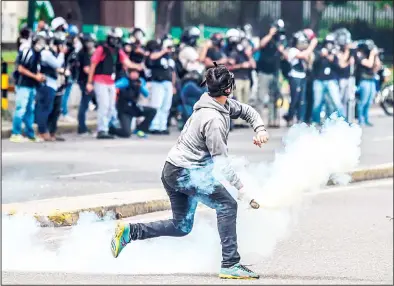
35	139
120	239
238	271
140	134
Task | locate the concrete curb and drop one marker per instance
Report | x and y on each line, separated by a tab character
61	129
118	211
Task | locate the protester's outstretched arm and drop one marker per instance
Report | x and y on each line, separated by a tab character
247	113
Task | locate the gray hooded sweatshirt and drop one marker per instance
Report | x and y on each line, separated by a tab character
203	139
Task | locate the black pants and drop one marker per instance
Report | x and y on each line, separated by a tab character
125	117
54	115
183	204
44	105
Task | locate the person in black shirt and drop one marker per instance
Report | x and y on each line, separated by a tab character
163	79
268	66
88	46
368	63
28	78
243	63
70	63
326	81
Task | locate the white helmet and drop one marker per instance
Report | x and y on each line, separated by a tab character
115	33
58	22
233	35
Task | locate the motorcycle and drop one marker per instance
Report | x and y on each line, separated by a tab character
384	97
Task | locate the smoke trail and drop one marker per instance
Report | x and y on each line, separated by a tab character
309	158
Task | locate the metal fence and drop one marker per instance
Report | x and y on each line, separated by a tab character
360	17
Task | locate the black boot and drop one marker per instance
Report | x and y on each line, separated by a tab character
104	135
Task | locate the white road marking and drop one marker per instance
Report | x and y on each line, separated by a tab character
14	154
88	173
378	139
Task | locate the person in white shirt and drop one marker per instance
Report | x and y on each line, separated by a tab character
297	56
52	59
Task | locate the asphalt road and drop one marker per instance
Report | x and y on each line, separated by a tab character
83	166
339	236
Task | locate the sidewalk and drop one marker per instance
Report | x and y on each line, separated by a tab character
65	211
66	127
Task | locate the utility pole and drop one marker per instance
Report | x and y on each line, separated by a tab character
30	13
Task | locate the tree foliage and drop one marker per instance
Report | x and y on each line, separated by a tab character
382	5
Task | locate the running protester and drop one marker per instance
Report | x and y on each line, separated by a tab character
103	73
202	147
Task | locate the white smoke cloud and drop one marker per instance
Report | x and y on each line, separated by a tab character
306	163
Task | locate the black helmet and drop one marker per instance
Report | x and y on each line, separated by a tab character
190	36
25	31
152	45
87	37
137	35
218	80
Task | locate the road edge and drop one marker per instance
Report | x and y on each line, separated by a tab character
118	211
63	128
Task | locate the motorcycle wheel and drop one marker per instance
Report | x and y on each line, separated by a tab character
387	100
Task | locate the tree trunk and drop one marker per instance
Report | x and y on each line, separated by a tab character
317	9
68	8
163	18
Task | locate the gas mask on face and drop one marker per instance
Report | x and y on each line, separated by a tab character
113	42
217	41
114	37
220	87
39	45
